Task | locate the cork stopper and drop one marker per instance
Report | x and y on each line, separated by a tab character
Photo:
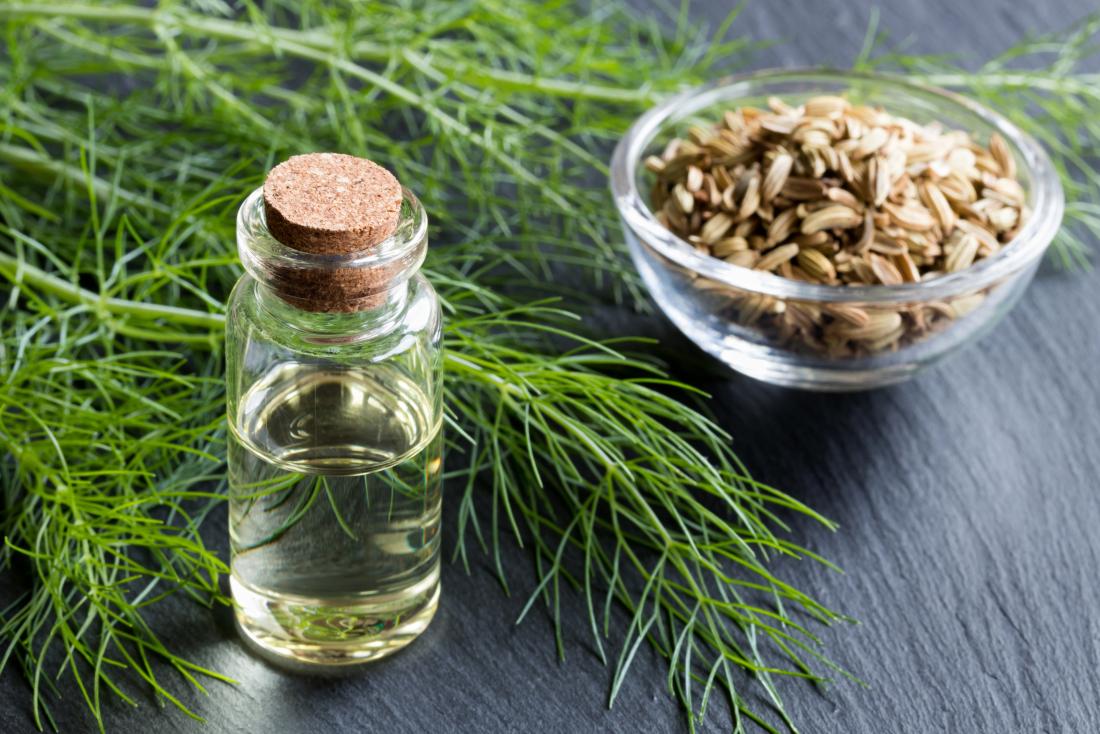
332	204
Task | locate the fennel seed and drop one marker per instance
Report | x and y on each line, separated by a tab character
839	194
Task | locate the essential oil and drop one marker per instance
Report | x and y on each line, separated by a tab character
335	444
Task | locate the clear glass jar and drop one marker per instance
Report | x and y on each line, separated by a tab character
335	447
746	317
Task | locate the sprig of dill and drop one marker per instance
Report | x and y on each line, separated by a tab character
128	137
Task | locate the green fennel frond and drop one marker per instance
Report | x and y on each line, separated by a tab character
117	240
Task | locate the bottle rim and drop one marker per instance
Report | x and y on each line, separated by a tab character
332	282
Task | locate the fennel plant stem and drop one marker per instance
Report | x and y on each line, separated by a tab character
21	272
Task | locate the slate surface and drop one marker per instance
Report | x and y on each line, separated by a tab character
968	499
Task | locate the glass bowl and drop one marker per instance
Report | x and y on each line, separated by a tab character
720	306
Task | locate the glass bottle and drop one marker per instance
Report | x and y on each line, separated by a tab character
334	403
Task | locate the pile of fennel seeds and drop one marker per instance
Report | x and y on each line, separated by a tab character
839	194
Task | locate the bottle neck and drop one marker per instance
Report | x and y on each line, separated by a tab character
339	295
384	313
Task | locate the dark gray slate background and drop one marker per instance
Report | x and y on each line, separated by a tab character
968	501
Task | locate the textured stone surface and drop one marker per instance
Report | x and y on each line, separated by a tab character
968	500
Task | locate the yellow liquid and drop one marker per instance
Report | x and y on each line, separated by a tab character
334	480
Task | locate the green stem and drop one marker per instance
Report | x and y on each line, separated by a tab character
42	165
296	44
511	80
516	81
19	272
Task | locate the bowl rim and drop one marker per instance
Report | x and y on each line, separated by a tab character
1045	196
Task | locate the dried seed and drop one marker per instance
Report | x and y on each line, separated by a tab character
879	324
910	273
927	151
867	236
836	216
733	120
744	258
845	197
727	151
716	287
694	178
1006	190
815	240
957	188
776	177
782	226
966	304
886	341
655	164
778	106
884	244
729	245
1003	155
961	161
801	316
934	199
798	273
751	199
817	164
812	137
658	194
699	135
988	240
729	200
722	177
825	106
683	198
862	271
753	307
780	124
911	216
985	163
803	189
885	270
777	256
751	114
675	167
844	167
744	229
1004	218
879	182
962	254
816	265
716	227
676	219
870	143
853	315
714	194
